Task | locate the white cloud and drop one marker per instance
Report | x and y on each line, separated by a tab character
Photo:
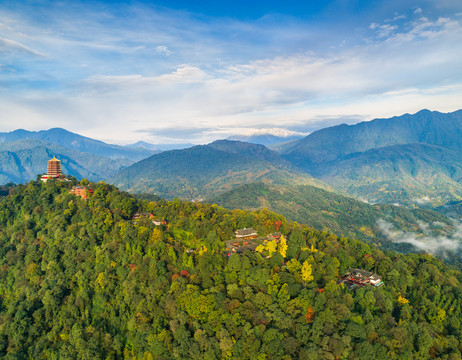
163	50
251	75
268	131
427	240
396	18
384	31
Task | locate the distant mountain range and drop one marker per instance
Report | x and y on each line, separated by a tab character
412	160
156	148
207	170
24	154
404	159
22	160
78	142
240	175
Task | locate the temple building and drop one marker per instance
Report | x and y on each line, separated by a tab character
358	277
246	234
53	170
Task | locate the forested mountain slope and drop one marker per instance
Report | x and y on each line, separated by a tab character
207	170
405	174
326	210
80	280
429	127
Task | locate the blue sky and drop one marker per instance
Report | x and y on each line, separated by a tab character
172	71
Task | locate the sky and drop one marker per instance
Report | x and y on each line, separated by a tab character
196	71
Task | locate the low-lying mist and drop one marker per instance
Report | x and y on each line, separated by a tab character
434	238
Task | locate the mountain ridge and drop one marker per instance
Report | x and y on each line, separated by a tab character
377	133
419	152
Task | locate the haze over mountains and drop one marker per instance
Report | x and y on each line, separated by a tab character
22	160
268	137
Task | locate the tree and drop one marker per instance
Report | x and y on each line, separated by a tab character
306	272
282	247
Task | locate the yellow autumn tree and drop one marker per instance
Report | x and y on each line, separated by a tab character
156	235
293	266
402	300
282	247
307	271
260	248
271	247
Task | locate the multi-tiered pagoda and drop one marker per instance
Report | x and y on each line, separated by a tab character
53	170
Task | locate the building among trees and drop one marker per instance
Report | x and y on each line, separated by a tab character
81	191
246	234
361	277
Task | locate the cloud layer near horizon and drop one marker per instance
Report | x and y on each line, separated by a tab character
163	75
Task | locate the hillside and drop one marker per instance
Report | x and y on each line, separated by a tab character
207	170
23	160
81	280
78	142
402	159
326	210
453	209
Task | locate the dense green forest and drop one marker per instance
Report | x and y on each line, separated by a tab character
81	280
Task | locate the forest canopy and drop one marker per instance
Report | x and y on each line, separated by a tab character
82	279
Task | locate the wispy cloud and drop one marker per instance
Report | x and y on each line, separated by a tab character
156	68
7	45
431	239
